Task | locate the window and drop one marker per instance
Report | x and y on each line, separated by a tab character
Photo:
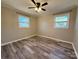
62	21
23	22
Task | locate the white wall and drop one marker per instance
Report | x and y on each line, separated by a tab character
10	30
46	27
75	41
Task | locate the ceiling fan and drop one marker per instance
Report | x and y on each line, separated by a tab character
38	6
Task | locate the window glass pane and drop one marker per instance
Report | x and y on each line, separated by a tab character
61	25
23	25
23	19
61	18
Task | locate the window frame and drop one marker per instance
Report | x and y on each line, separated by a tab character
60	15
23	22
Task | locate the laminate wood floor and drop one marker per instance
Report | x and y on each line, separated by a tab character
37	48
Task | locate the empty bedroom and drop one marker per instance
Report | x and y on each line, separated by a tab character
39	29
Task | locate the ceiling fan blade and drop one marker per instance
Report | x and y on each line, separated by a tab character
45	4
33	1
43	9
30	7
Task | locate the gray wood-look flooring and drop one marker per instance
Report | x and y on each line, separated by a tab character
37	48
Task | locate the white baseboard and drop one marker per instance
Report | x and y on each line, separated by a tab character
42	36
17	40
75	50
55	39
61	41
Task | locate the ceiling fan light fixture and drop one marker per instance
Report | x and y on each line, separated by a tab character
38	6
38	9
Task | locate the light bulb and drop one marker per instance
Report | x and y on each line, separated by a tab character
39	9
36	9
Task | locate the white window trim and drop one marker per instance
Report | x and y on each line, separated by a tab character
63	14
26	17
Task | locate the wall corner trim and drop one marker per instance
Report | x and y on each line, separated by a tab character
18	40
75	50
55	39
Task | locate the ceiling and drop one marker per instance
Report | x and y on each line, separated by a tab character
53	6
